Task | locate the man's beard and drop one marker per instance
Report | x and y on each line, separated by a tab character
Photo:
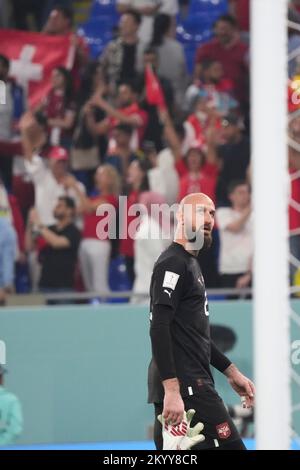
207	242
206	239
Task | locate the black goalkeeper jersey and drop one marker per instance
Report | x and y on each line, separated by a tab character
177	283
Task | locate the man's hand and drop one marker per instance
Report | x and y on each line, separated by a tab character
70	182
33	135
182	436
97	100
242	385
173	403
243	281
173	408
33	217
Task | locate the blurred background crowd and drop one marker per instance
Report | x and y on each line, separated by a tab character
154	105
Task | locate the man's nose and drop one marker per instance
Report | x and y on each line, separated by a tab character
208	220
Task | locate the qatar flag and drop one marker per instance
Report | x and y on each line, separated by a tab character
32	58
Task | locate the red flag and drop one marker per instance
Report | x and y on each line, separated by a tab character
33	57
154	93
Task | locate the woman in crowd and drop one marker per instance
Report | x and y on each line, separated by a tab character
57	110
95	247
137	180
201	177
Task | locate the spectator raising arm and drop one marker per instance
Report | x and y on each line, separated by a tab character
32	134
238	225
170	134
55	241
85	204
133	120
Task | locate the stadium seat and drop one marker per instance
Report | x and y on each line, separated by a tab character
118	278
97	32
22	279
103	8
208	6
190	52
195	29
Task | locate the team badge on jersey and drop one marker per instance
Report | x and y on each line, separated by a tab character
223	430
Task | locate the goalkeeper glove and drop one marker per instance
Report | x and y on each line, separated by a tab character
182	436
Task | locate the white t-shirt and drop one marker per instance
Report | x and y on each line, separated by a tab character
149	242
169	7
6	115
47	189
236	248
163	178
146	27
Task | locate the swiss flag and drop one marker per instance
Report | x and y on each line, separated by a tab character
154	93
33	57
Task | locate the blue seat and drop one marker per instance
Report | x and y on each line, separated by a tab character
97	32
190	53
118	278
194	29
22	279
103	7
208	6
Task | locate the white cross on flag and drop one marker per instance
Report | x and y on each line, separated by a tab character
32	58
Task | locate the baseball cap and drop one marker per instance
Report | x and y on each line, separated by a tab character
58	153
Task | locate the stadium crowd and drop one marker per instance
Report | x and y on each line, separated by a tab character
135	121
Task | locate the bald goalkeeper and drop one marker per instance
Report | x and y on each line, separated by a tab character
179	376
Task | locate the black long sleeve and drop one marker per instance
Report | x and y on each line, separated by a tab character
162	316
218	359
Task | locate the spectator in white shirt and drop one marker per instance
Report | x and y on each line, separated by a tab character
235	227
152	237
163	177
169	7
50	176
51	182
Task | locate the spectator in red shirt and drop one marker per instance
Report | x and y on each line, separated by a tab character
241	11
95	247
201	176
204	116
213	85
18	223
231	52
178	136
137	180
295	4
57	110
128	111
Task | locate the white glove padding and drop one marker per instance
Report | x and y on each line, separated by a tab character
182	436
